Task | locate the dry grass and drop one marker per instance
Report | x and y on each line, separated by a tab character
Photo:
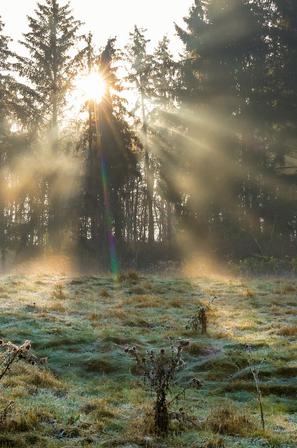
56	308
117	312
100	365
249	293
104	293
145	301
25	376
93	398
288	330
141	425
229	420
58	292
214	443
287	289
130	276
94	317
100	408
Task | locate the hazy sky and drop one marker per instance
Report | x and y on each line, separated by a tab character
108	18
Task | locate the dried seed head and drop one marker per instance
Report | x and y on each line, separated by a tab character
184	343
196	383
27	345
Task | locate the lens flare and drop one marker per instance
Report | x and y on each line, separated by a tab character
109	220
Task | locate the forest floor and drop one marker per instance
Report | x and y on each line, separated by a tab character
89	393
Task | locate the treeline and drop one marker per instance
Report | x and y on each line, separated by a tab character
192	154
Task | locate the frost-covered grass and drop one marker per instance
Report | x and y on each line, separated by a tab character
90	394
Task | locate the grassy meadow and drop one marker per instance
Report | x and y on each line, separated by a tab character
90	393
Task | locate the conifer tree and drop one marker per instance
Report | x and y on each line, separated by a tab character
5	99
140	69
283	67
50	68
223	77
165	86
53	58
7	94
111	156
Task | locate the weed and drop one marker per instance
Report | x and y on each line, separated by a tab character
159	370
58	292
198	320
14	353
255	374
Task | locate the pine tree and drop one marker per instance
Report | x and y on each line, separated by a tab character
165	85
7	94
283	66
140	69
222	83
50	68
53	62
111	157
165	74
281	18
5	99
118	140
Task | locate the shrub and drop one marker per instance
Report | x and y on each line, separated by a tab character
159	371
198	320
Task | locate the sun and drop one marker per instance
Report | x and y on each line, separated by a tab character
91	86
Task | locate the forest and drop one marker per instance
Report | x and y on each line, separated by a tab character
148	230
195	153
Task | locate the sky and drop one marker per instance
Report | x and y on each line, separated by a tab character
108	18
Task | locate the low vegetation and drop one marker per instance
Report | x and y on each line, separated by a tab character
87	392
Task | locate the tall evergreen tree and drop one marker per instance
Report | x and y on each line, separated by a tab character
50	68
283	67
5	78
5	99
140	68
222	74
111	158
166	83
53	60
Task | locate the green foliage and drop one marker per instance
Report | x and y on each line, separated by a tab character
50	67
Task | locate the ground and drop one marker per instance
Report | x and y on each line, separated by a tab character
90	393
